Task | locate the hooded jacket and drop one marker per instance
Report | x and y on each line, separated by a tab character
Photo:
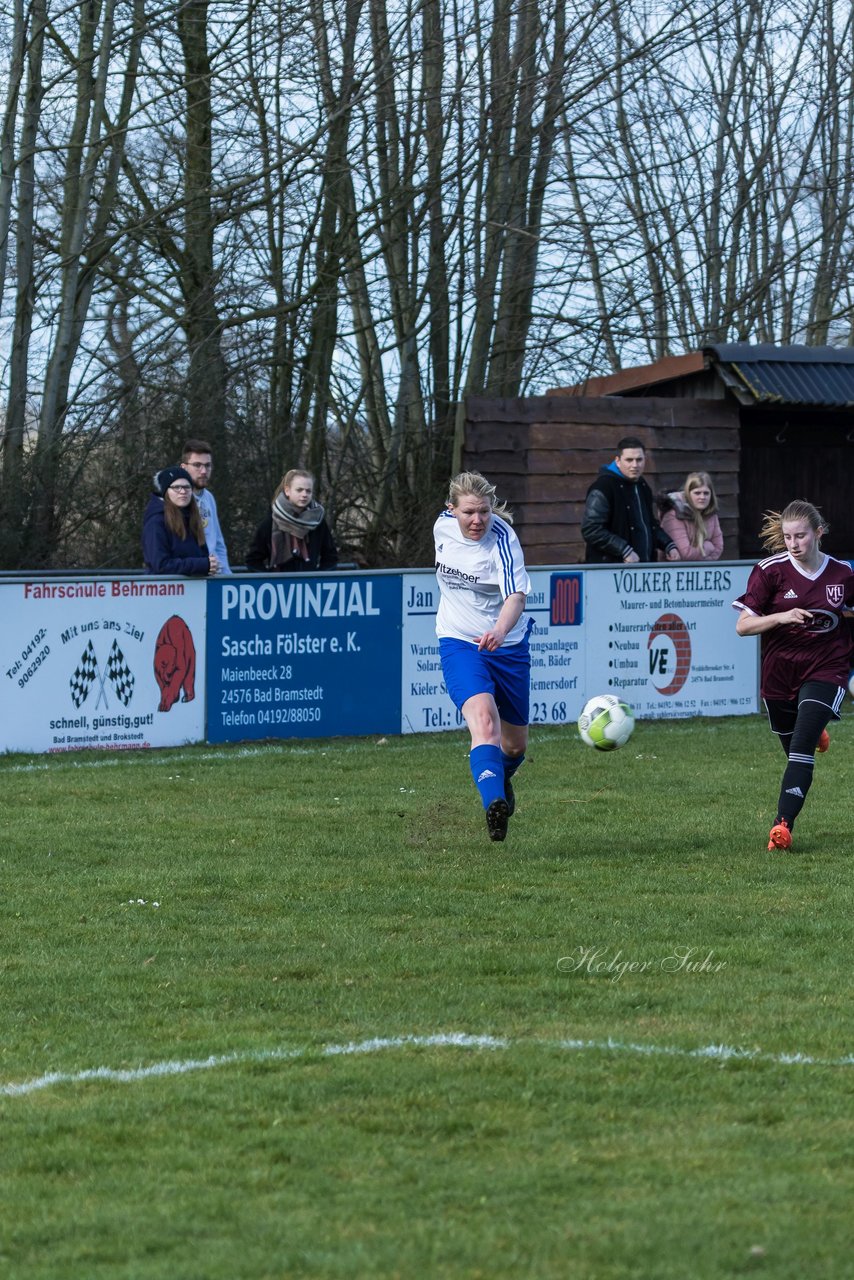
619	518
678	523
163	552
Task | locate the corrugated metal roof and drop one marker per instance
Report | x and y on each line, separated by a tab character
766	374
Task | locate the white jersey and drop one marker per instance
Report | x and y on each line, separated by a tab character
475	578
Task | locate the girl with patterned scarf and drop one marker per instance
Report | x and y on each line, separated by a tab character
294	537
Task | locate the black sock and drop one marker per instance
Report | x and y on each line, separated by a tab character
797	779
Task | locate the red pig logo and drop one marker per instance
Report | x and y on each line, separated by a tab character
175	663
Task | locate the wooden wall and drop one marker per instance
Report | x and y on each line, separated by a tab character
544	452
790	453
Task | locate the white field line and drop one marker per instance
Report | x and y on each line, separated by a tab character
183	1066
454	1039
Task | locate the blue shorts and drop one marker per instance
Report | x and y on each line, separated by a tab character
506	674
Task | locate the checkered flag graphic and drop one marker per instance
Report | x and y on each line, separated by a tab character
120	675
84	674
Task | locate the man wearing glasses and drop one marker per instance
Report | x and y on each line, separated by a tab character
196	458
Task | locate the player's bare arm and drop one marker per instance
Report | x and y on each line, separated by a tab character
752	624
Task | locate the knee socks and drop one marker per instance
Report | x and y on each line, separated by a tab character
798	775
487	769
511	763
797	781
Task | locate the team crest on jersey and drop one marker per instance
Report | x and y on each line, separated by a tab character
835	593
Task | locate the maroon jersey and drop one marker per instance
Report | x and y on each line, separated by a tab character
816	650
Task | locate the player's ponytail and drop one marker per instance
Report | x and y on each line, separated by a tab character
473	484
771	533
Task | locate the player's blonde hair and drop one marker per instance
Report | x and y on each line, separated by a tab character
471	484
771	533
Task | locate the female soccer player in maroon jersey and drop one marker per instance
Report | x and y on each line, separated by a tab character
795	601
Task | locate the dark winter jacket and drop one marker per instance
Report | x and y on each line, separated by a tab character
163	552
619	518
322	552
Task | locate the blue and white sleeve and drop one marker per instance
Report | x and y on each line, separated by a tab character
510	562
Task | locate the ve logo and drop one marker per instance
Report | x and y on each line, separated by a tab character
669	648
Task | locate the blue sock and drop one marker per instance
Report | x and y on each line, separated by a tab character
488	773
511	763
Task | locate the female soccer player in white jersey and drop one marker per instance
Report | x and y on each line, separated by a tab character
795	601
483	637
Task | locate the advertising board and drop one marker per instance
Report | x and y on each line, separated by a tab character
102	663
150	662
661	636
303	656
557	652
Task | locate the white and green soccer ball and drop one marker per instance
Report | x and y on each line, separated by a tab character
606	722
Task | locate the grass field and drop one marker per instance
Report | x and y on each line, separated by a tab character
284	1010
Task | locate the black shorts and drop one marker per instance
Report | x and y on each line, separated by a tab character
782	715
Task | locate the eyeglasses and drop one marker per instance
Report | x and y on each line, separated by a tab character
180	488
199	466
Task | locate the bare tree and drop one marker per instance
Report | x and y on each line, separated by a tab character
309	233
28	42
206	374
730	212
94	153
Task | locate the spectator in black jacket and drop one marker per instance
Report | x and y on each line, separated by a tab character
619	524
294	537
173	538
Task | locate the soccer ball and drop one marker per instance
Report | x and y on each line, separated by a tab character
606	722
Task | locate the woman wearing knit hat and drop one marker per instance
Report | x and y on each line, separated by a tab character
173	538
294	537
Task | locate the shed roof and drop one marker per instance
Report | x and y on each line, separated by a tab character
766	374
759	373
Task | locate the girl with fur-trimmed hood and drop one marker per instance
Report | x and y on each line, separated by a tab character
690	517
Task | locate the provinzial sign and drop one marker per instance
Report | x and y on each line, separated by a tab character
112	664
299	656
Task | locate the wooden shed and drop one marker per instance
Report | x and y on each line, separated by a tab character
768	423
